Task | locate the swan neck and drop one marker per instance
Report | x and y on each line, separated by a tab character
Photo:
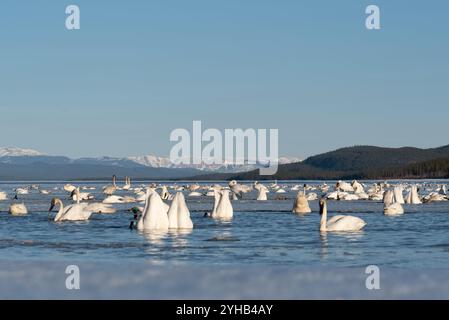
323	212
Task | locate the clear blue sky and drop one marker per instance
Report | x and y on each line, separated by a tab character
138	69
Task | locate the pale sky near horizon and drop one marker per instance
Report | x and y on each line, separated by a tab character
136	70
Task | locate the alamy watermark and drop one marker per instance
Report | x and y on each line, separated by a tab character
72	282
373	280
237	147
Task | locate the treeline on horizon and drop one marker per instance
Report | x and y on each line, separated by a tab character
358	162
432	169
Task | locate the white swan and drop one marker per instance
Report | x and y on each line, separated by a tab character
69	187
165	195
22	191
398	194
179	214
127	185
391	206
95	207
262	195
74	212
109	190
301	204
413	196
222	206
78	196
344	186
238	189
154	216
118	199
3	196
357	186
18	209
338	223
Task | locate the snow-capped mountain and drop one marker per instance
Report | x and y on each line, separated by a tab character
152	161
18	152
13	155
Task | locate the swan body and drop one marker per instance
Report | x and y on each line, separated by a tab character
344	186
97	207
393	209
222	206
74	212
18	209
195	194
262	195
80	196
118	199
3	196
179	214
127	185
412	196
301	204
398	194
22	191
238	189
110	189
358	187
154	215
339	222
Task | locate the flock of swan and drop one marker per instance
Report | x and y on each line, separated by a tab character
163	210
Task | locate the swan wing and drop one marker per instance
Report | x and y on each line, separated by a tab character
345	223
76	212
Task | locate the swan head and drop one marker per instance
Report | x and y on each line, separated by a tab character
53	204
322	205
232	183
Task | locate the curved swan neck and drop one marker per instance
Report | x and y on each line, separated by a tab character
61	209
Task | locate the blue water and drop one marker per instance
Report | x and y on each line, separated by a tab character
261	233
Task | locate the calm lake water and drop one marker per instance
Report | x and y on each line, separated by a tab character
261	233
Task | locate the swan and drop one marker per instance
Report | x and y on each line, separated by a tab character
301	204
3	196
222	206
18	209
238	189
154	216
118	199
165	195
179	214
391	206
358	188
434	197
109	190
413	196
262	196
338	223
442	190
22	191
78	196
74	212
344	186
95	207
398	194
127	185
69	187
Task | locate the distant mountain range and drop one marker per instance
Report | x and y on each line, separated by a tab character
359	162
28	164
